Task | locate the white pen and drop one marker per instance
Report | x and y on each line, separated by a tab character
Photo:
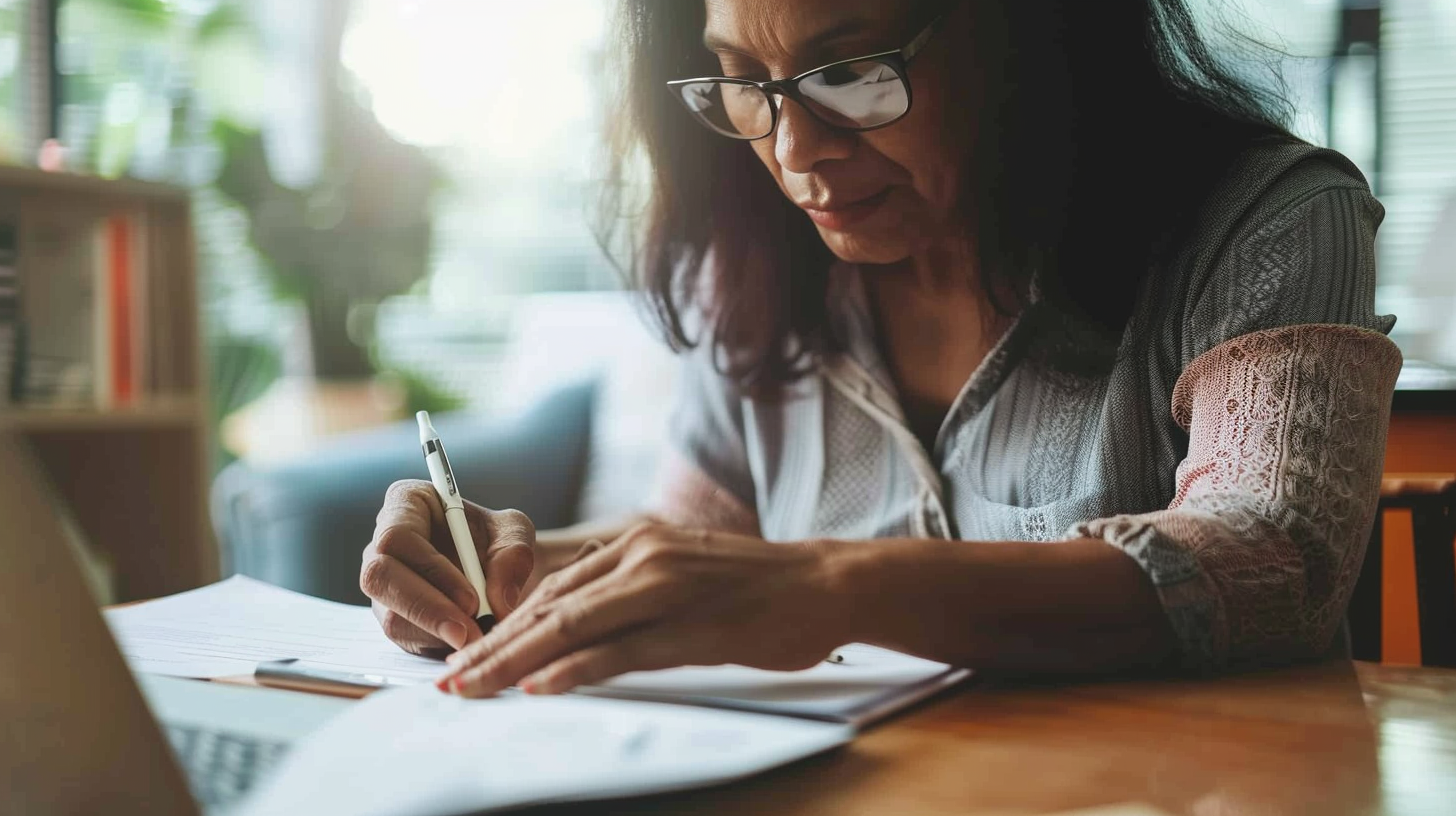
444	480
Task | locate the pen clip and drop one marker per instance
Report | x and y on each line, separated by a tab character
436	447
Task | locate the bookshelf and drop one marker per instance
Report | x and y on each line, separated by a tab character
125	442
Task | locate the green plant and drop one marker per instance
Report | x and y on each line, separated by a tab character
241	370
362	232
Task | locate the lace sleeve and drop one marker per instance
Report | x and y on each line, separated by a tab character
1257	554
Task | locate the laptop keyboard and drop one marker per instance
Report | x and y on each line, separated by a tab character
222	767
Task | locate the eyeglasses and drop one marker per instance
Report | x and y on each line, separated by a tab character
857	94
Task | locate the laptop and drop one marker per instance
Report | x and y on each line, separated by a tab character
79	734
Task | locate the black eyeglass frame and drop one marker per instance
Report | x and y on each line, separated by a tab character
898	60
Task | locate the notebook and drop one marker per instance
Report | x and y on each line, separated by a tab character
870	684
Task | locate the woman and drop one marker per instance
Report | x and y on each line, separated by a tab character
1036	344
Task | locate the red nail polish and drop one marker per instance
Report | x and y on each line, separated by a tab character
443	684
528	687
455	685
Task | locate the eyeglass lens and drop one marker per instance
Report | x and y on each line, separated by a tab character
856	95
730	108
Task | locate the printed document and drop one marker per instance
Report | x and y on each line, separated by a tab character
419	752
230	627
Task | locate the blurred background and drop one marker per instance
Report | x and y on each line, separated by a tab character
393	197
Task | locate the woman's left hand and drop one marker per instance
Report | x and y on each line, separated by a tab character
656	598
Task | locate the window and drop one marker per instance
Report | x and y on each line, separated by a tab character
1404	140
12	133
507	99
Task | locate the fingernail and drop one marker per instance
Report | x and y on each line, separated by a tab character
453	633
513	594
528	685
455	685
443	684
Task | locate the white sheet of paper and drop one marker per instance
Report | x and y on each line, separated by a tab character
419	752
229	627
870	683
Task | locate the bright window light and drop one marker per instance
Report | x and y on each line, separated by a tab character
511	81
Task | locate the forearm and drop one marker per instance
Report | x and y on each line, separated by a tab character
1072	606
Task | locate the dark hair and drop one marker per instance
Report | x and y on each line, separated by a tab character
1113	121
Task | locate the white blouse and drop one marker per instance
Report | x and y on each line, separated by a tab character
1231	443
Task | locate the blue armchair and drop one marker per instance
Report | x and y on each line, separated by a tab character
303	525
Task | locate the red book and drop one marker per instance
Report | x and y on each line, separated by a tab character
123	359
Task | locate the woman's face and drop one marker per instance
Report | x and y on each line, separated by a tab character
876	197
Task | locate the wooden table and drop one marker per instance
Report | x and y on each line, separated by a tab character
1332	739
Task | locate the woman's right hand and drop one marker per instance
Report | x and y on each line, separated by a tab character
412	574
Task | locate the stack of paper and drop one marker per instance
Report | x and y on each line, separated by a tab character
417	751
231	627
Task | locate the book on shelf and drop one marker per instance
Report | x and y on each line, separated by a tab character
120	323
125	264
81	290
10	329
